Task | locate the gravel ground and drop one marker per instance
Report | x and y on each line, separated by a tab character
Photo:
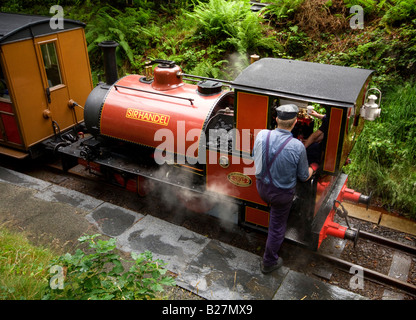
374	256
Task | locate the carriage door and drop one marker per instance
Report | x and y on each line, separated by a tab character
54	82
9	129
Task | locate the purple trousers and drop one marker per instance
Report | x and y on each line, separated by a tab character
280	201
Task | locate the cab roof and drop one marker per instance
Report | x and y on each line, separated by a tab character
304	81
16	27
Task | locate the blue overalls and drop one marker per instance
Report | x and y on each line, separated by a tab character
280	201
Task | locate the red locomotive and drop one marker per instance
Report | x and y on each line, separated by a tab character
156	128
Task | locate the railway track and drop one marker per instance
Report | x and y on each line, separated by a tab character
53	174
395	279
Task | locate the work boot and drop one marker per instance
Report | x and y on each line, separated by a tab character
267	269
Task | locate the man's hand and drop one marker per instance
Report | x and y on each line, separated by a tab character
314	166
316	114
312	169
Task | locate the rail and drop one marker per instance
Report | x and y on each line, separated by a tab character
388	242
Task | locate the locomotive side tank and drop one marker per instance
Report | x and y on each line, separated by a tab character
143	111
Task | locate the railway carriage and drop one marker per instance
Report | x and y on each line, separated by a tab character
41	70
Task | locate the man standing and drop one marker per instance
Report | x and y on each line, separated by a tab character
279	160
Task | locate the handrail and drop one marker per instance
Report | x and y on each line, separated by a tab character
152	92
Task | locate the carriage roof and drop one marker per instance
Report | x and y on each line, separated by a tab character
16	27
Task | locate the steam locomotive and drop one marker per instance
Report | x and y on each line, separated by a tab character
196	134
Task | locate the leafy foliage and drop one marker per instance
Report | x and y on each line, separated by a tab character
385	153
401	11
123	27
100	275
369	6
231	25
281	11
393	12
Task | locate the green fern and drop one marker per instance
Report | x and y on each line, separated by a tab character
123	27
282	10
231	25
207	68
402	11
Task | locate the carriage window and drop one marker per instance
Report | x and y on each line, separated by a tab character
51	63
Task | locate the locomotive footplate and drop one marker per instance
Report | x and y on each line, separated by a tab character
307	228
301	215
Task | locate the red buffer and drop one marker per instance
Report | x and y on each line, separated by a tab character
331	228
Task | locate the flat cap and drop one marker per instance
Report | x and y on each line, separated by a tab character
287	111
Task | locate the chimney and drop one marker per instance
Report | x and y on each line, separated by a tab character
110	64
